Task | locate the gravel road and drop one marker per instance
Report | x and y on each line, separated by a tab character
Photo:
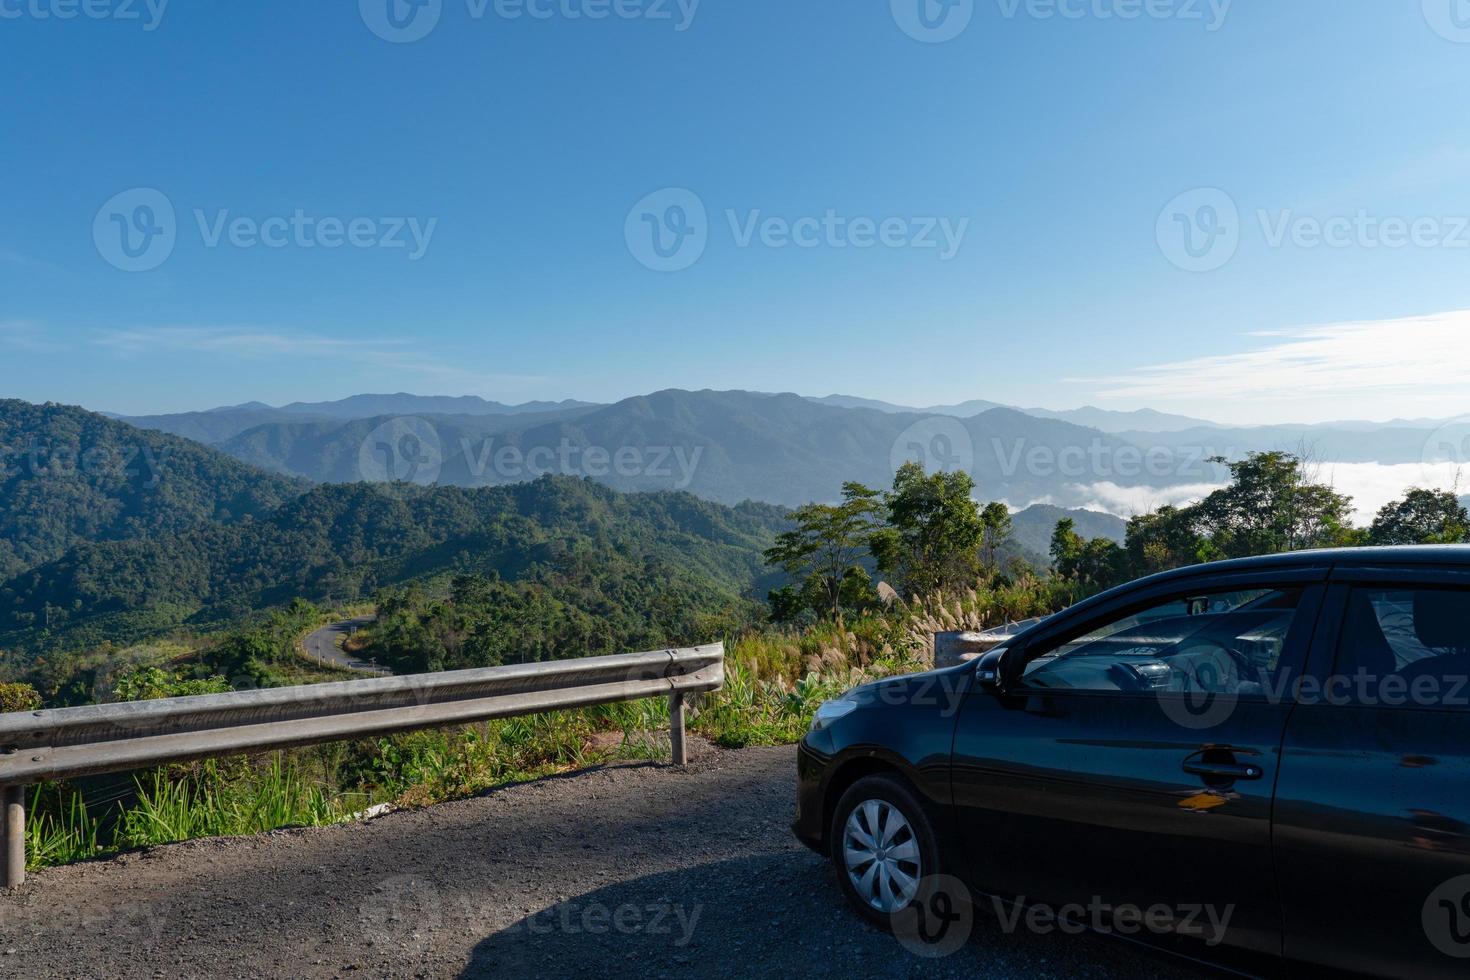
636	870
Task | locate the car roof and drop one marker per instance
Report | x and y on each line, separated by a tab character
1436	555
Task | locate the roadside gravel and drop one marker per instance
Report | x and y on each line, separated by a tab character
637	870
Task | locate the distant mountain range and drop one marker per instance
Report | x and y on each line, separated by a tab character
730	446
726	446
1093	418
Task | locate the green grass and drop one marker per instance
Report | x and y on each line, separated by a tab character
774	681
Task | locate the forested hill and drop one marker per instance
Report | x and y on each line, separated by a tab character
342	542
69	476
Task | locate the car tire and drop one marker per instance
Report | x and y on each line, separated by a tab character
905	869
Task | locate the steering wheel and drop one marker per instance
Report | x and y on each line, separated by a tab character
1209	667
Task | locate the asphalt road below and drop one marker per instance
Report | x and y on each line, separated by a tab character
326	645
627	871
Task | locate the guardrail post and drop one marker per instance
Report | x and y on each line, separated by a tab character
14	802
676	728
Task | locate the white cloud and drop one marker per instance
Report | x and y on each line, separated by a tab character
1381	369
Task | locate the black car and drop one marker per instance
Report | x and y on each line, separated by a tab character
1263	764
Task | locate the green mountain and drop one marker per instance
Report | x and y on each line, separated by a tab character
343	542
69	476
1032	528
725	446
220	424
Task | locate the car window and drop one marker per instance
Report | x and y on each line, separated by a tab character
1216	642
1405	648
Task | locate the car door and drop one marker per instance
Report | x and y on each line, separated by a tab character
1098	780
1372	827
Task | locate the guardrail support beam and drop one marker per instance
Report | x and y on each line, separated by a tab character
676	728
13	800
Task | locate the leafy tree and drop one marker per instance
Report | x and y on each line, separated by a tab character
1272	506
1096	564
1422	517
996	520
1165	539
934	531
18	697
827	542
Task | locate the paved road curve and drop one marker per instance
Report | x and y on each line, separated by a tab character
627	871
325	645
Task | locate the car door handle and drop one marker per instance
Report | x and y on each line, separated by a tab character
1222	770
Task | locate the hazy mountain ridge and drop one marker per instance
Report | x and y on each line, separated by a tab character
726	446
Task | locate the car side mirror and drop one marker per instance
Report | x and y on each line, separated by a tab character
988	670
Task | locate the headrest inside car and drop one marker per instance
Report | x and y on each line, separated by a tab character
1442	618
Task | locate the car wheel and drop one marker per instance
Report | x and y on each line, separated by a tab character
883	848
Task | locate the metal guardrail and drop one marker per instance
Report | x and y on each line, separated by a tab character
101	738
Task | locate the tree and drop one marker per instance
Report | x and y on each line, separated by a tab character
1096	564
934	533
1422	517
1165	539
1270	506
827	541
996	520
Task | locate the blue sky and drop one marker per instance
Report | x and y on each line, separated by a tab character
1050	147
